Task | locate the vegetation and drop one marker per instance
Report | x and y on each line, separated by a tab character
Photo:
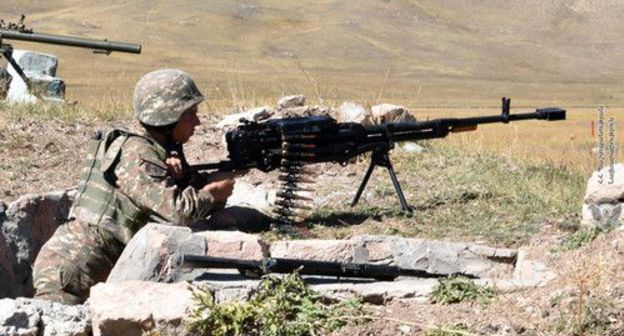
457	194
459	329
460	289
281	306
64	112
581	237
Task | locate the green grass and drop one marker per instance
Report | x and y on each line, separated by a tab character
580	238
280	306
459	289
463	195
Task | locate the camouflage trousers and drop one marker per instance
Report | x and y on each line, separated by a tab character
77	256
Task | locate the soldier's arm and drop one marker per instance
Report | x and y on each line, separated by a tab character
145	179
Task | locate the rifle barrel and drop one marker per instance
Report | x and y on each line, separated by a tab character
309	267
71	41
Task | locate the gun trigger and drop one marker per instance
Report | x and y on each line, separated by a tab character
468	128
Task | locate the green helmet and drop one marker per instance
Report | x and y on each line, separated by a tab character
161	96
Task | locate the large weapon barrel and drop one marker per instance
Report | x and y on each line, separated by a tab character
437	128
98	45
308	267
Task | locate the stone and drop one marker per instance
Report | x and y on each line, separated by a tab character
532	270
255	114
154	253
602	189
605	216
234	244
247	195
7	272
5	82
133	307
379	292
603	199
30	222
47	87
36	63
352	112
387	113
323	250
40	69
302	111
43	318
291	101
435	257
412	147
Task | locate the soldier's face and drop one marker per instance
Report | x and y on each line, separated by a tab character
185	127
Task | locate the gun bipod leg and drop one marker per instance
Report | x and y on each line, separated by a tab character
381	158
397	186
364	182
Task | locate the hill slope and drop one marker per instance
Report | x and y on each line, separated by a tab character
434	52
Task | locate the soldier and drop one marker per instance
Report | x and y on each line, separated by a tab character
129	180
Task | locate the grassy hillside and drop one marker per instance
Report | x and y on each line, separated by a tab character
422	53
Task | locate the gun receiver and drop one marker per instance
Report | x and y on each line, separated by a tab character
19	32
289	144
309	267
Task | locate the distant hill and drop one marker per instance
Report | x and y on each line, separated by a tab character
430	52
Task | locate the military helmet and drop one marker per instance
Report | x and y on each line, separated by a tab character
161	96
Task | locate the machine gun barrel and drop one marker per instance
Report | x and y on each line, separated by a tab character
439	128
309	267
98	45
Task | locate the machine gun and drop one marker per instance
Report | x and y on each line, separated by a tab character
308	267
290	144
19	31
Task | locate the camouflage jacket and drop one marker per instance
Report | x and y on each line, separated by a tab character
125	184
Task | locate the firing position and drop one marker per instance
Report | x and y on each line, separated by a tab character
129	180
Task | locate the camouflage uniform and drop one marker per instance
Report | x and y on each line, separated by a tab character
125	184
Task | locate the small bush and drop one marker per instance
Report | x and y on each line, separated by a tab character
459	289
579	238
281	306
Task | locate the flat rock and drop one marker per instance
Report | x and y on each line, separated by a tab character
380	292
234	244
322	250
435	257
151	305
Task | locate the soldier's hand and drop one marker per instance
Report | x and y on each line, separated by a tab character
175	167
221	189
